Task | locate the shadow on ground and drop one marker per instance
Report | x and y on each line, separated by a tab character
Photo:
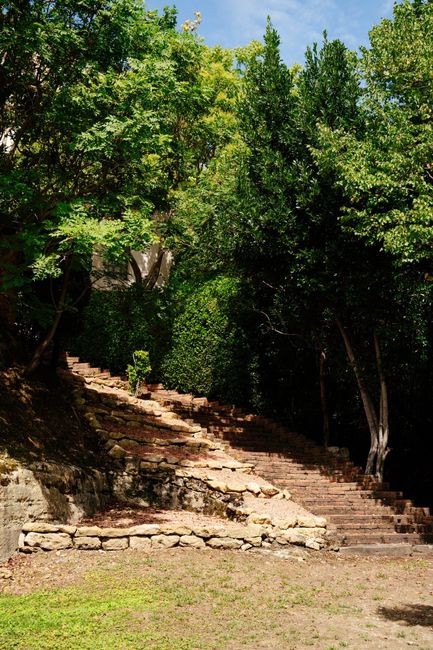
415	614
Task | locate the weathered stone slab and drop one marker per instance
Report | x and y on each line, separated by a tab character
45	527
175	529
114	532
390	550
145	529
224	542
164	541
49	541
140	543
115	544
192	541
88	531
87	543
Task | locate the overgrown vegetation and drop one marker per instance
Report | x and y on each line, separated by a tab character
297	203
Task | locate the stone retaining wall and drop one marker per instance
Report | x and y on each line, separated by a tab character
53	537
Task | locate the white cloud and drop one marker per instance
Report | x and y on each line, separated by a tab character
301	22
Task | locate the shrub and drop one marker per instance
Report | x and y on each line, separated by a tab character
208	352
116	323
138	372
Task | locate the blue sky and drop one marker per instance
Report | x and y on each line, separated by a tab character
300	22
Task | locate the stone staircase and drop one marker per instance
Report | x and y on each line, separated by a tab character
359	510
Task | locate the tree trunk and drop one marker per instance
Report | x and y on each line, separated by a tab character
383	430
155	270
323	398
370	411
43	345
135	268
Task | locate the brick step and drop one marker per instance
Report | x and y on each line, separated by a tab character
393	538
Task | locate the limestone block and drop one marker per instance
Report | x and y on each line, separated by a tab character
246	547
313	543
219	486
224	542
117	452
164	541
287	522
210	531
145	529
255	518
114	532
253	487
140	543
49	541
175	529
292	536
87	543
269	490
88	531
45	527
236	487
192	541
305	521
115	544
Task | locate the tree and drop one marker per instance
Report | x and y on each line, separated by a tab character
94	100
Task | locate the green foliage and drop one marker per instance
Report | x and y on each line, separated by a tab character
208	351
138	372
116	323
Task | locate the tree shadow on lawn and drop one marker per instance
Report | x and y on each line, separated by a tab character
415	614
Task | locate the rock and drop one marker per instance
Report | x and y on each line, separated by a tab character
219	486
175	529
140	543
246	547
87	543
313	543
5	574
45	527
114	532
224	542
304	521
88	531
115	544
192	541
236	487
269	490
117	452
164	541
255	518
155	458
145	529
321	522
214	464
292	536
49	541
253	487
210	531
287	522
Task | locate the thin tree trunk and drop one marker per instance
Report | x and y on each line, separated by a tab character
383	430
153	275
369	409
323	398
39	352
135	268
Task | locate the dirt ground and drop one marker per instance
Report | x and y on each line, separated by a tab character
287	600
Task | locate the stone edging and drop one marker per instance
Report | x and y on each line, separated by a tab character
50	537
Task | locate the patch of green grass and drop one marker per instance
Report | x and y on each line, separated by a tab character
104	614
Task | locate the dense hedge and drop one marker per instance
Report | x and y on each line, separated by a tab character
116	323
209	352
